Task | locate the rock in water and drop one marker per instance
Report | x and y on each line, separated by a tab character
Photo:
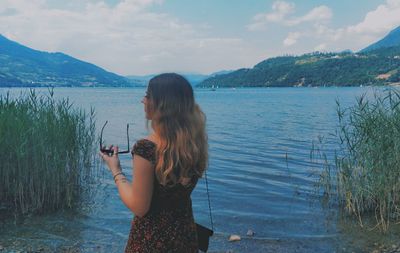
234	238
250	232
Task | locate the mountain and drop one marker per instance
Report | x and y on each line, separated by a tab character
222	72
23	66
378	64
140	80
193	78
390	40
376	67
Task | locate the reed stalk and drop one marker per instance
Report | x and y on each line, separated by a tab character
364	178
46	152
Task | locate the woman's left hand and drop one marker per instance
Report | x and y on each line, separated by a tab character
112	161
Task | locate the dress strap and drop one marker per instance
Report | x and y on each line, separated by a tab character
209	202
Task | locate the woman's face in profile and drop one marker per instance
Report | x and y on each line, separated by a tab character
147	105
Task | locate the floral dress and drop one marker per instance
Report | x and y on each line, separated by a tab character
168	226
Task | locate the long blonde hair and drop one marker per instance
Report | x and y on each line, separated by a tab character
179	123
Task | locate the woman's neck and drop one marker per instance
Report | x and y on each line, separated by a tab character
153	137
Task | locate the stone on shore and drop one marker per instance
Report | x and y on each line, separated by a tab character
250	232
234	238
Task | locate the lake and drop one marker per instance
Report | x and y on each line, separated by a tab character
260	175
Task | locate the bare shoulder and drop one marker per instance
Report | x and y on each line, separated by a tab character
151	138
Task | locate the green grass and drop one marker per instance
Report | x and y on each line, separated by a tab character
46	153
364	177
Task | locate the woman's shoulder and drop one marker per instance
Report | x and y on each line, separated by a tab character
145	142
145	147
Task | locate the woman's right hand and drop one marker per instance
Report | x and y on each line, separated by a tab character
112	161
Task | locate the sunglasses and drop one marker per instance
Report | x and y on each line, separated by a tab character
109	151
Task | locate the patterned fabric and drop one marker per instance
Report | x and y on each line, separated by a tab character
168	226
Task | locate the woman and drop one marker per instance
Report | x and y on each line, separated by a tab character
166	167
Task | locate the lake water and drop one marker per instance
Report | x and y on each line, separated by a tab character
260	175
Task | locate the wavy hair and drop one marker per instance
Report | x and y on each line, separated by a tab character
182	151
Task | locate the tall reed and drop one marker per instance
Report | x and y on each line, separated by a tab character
46	152
365	176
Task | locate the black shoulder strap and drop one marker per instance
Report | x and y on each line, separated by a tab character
209	202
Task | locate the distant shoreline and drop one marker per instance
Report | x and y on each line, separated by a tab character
393	84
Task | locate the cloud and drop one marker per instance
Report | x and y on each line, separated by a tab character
320	47
316	31
281	14
321	36
280	10
320	13
125	38
384	18
374	26
291	39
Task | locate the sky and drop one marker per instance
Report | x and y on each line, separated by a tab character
141	37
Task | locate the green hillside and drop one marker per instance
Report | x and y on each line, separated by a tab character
376	67
390	40
377	64
23	66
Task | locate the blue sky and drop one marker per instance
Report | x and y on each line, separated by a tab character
139	37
